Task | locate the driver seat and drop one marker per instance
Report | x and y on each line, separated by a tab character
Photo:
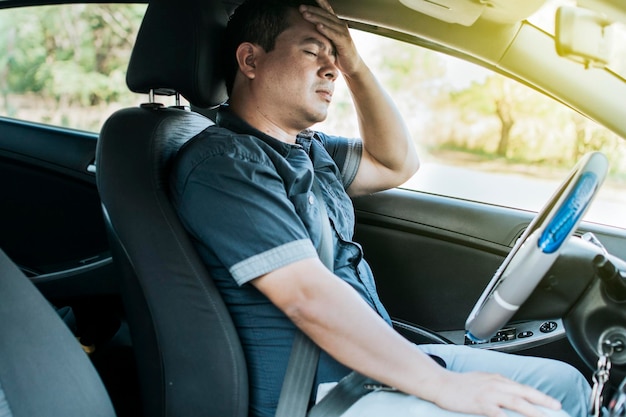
189	358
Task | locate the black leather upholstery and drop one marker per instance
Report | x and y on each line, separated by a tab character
189	357
43	370
177	50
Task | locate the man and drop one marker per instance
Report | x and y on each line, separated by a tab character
244	190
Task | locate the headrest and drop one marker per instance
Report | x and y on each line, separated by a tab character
178	50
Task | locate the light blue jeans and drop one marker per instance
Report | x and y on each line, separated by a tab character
554	378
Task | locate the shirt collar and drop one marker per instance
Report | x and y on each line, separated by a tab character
229	120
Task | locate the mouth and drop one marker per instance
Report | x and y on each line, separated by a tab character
327	95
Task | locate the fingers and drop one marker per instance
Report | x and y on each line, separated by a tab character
520	398
324	17
525	395
324	4
490	395
539	398
524	400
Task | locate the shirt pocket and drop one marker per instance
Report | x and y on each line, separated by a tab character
308	211
340	209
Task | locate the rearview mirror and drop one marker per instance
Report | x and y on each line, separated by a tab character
584	35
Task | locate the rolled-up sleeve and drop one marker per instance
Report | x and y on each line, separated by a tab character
346	153
271	260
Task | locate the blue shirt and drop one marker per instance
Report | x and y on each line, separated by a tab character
246	199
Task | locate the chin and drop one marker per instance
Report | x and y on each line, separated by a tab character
317	117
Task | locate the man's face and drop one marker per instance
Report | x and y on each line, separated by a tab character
296	79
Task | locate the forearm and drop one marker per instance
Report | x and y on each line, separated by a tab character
356	336
340	322
387	142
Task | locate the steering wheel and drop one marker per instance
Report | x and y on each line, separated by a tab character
537	249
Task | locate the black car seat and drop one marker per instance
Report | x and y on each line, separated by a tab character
43	369
189	358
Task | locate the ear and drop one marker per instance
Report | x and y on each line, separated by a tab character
247	54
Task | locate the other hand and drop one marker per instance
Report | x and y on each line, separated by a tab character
489	394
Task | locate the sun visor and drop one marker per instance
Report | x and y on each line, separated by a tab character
463	12
467	12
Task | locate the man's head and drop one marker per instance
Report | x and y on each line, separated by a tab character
258	22
284	68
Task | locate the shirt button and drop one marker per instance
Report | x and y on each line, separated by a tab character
311	199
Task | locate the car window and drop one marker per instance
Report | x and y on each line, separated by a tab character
65	65
482	136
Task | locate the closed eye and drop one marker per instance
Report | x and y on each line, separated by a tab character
310	53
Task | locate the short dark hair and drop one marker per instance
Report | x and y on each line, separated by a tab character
255	21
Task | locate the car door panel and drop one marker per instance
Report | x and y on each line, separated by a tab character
430	267
50	217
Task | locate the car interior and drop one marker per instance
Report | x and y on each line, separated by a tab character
87	223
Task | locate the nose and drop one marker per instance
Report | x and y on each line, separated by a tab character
328	68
